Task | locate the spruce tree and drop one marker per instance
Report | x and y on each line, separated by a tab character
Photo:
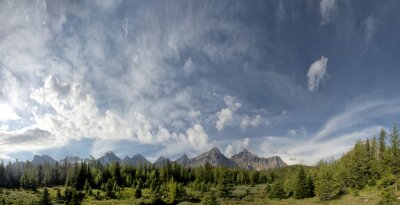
45	199
300	189
277	191
326	187
138	192
382	145
225	185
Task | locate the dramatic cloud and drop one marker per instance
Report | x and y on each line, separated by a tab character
109	76
316	73
226	114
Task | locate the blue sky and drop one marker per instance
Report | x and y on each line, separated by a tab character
299	79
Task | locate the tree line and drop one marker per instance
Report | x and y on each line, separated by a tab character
372	162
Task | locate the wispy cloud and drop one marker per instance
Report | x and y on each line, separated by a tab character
327	10
316	73
370	30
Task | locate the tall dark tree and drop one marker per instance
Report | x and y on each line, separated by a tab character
300	189
45	199
382	145
225	185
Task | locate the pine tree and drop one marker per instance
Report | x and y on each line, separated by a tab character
300	187
58	196
310	187
138	192
277	191
394	160
45	200
326	186
225	186
172	191
382	145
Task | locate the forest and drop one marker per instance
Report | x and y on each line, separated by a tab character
370	164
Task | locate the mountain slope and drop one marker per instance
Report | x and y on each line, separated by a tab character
161	161
248	160
109	158
43	159
213	157
135	160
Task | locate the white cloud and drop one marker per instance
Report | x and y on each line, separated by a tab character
7	113
237	146
316	73
226	114
4	127
197	137
247	122
327	10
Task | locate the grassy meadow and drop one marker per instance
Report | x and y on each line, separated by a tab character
251	195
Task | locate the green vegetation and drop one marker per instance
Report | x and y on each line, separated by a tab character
368	174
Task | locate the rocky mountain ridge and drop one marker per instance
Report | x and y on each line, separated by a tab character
214	157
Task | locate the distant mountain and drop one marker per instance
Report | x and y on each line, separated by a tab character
161	161
109	158
184	160
135	160
213	157
43	159
248	160
72	160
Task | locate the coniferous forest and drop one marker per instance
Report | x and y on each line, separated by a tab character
373	164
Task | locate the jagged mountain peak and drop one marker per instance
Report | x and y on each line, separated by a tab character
215	150
109	158
245	153
135	160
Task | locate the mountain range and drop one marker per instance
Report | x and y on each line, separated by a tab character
214	157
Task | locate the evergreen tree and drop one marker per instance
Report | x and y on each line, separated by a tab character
394	159
277	191
225	186
382	145
59	198
310	187
326	186
138	192
300	188
45	199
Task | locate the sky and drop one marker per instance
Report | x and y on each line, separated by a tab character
300	79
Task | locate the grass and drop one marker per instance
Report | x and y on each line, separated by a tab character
241	195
